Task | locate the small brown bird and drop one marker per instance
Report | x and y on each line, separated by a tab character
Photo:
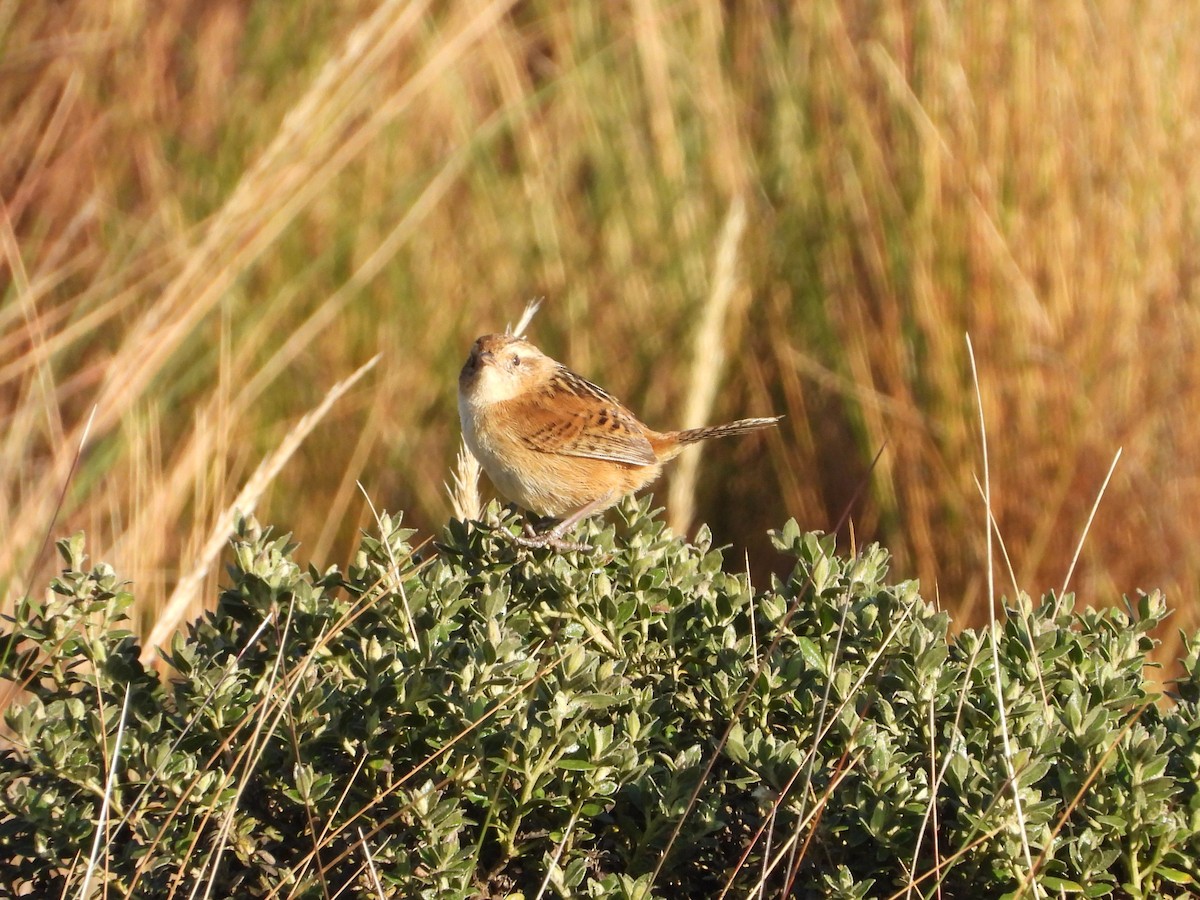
555	443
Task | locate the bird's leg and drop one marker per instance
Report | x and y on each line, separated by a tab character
554	537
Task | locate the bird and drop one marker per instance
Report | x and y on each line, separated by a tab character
555	443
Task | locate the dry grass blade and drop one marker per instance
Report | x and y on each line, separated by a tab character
1091	517
464	495
250	754
1047	710
83	439
791	845
243	504
44	376
552	863
936	780
806	819
375	882
708	365
393	574
994	630
102	820
527	314
949	860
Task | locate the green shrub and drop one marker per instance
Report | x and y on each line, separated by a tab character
485	719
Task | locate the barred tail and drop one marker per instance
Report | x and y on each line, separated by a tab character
741	426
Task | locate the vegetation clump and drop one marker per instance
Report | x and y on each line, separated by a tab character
481	719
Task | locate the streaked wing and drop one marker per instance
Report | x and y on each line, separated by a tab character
581	419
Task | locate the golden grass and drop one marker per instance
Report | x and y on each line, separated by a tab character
708	364
211	216
186	590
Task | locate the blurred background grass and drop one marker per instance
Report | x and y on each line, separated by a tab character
215	209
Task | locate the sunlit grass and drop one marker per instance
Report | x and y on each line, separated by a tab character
210	219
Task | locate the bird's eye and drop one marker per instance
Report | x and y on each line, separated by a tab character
514	360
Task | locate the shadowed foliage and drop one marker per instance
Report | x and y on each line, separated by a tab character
631	722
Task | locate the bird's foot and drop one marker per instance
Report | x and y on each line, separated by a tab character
552	538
